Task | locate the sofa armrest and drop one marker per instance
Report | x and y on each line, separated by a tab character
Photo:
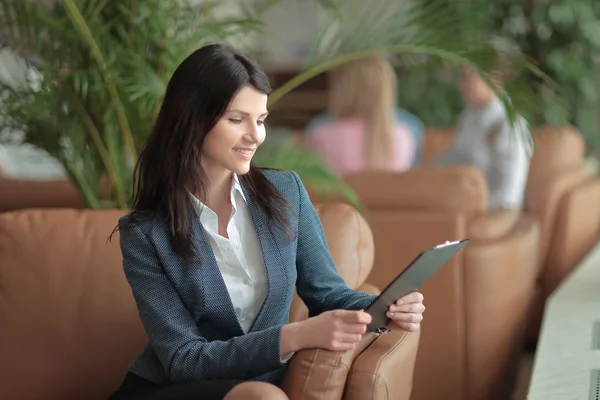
575	233
383	362
317	374
385	369
499	280
493	225
368	288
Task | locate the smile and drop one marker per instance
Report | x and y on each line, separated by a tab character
245	154
244	151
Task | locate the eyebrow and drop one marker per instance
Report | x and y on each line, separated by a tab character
244	113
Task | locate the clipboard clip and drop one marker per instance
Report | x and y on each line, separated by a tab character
446	243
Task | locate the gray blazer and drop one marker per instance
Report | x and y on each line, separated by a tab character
187	312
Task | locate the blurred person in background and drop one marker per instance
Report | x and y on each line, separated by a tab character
362	132
486	139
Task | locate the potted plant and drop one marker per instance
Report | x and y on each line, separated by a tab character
104	66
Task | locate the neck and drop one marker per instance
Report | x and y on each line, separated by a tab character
218	188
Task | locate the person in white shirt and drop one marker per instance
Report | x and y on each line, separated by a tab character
486	139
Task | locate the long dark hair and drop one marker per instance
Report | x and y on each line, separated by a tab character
197	95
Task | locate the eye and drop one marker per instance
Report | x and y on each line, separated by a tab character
260	123
235	120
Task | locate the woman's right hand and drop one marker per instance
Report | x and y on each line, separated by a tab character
337	330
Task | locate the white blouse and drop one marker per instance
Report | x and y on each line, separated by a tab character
239	257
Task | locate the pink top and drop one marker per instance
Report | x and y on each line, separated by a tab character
342	145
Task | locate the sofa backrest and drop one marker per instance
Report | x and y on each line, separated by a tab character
19	194
556	150
556	167
70	327
459	189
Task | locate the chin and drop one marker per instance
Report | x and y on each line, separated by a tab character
242	169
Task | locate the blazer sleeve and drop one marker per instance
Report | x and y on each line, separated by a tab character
319	285
186	355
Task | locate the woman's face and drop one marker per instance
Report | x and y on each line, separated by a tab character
232	142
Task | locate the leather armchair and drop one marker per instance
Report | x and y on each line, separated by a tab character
70	326
560	196
478	303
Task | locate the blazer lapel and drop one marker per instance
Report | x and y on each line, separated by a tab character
217	302
276	273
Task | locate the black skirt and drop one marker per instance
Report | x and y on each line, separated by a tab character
135	387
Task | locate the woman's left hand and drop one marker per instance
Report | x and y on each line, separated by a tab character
406	313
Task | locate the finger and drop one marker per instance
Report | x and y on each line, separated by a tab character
408	326
414	297
360	317
405	317
409	308
354	328
347	315
345	337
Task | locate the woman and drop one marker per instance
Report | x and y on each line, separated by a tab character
364	133
214	247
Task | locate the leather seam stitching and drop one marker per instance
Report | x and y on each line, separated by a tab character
380	361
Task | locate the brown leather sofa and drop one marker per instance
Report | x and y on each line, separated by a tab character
478	303
560	195
16	194
70	326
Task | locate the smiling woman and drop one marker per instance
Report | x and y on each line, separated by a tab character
214	248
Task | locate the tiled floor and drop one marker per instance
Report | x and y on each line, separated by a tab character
523	376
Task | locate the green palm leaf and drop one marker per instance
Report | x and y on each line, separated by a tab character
421	33
105	66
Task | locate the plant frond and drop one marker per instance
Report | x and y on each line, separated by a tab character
420	33
82	26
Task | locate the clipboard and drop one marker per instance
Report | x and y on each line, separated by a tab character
424	266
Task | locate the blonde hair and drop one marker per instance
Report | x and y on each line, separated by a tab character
366	89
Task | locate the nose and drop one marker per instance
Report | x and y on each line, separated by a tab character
256	134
